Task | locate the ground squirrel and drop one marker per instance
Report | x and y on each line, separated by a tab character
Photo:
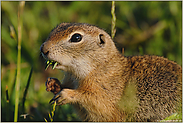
99	80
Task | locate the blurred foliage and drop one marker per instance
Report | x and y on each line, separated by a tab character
153	28
173	118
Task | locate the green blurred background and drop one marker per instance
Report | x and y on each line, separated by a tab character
153	28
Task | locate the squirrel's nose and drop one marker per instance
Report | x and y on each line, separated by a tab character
43	50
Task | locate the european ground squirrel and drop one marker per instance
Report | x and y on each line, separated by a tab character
105	85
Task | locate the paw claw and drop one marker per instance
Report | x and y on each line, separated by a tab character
63	97
51	101
55	98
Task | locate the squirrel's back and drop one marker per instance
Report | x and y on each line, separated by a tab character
158	84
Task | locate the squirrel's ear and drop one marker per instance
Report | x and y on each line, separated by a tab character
101	40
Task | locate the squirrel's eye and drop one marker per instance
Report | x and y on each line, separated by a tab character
76	38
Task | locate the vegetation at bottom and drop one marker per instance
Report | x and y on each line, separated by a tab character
153	28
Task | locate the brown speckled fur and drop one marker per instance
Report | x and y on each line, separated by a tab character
159	86
103	75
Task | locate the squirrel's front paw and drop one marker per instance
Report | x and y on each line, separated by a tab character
63	97
53	85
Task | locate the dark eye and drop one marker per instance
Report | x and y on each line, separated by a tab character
76	38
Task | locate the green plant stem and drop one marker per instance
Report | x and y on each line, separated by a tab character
113	30
17	86
51	115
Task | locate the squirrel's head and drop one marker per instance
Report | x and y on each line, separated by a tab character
78	48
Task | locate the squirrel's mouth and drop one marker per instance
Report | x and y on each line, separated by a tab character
54	64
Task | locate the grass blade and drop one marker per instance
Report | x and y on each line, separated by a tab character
17	86
113	30
7	97
26	89
45	119
7	104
